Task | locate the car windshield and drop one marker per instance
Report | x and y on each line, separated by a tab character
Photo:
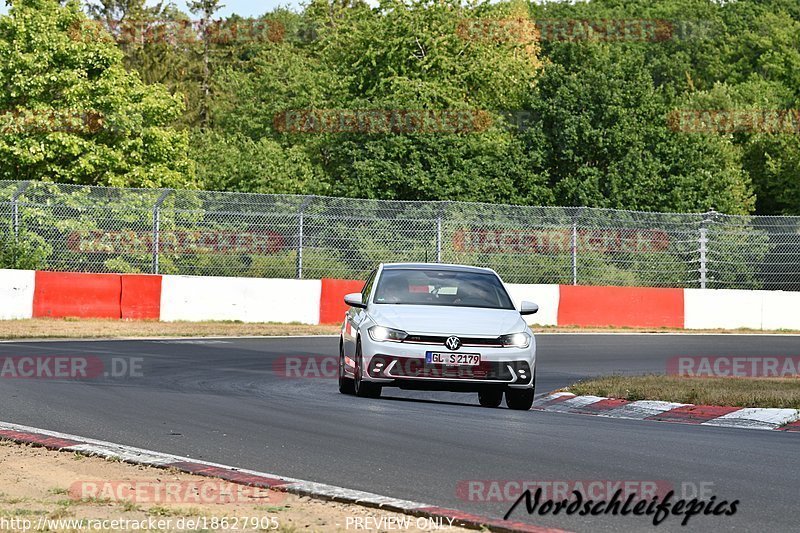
441	287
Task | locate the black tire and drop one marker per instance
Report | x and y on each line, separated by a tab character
490	397
364	389
346	385
519	399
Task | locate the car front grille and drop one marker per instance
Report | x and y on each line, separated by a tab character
465	341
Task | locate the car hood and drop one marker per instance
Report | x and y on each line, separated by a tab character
444	320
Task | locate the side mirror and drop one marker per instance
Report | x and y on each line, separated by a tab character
528	308
354	300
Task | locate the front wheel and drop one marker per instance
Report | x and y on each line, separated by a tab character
364	389
346	385
490	397
519	399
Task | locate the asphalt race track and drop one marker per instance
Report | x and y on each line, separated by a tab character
226	401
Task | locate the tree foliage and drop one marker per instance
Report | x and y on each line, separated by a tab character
73	113
567	119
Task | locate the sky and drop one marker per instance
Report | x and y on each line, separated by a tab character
245	8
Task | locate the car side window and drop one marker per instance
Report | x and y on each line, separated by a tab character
367	290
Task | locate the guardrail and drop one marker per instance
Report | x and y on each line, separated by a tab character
37	294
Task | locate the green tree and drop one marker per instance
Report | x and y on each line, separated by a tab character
433	56
602	126
769	157
160	43
207	8
237	162
72	111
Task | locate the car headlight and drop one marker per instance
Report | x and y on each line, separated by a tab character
516	340
380	334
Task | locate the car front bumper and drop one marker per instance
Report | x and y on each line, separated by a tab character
403	365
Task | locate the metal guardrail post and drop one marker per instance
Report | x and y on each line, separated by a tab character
301	235
157	227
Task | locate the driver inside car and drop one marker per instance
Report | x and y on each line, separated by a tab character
394	290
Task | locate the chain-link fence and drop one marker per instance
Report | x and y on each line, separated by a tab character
98	229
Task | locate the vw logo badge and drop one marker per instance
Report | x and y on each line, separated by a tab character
453	343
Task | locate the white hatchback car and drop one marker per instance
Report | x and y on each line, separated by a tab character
438	327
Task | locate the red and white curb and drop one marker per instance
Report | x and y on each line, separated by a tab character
686	413
64	442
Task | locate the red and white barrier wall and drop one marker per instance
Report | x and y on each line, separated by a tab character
16	294
32	294
197	298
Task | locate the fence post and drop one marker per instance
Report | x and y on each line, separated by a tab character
703	270
703	241
574	244
157	227
439	239
15	216
300	235
15	207
575	253
441	212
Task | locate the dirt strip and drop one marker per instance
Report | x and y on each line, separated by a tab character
43	490
73	328
50	328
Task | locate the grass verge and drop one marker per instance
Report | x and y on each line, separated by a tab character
726	391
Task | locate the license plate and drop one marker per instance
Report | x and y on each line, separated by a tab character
453	359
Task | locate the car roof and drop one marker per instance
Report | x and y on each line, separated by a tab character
436	266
